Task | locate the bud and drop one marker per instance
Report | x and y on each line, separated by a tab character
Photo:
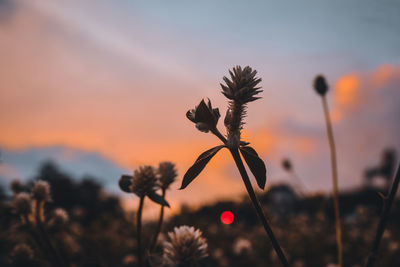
41	191
320	85
167	174
185	248
287	165
204	116
22	204
125	183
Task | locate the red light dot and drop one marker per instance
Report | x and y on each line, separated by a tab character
227	217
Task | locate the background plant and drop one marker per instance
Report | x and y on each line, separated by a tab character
321	88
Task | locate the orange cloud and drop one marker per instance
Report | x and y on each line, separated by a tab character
382	75
347	89
305	145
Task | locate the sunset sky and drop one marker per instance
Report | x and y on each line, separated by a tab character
102	87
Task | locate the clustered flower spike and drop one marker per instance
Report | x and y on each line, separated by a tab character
204	116
144	181
41	191
185	248
320	85
167	173
242	87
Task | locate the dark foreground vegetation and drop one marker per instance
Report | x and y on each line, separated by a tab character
99	233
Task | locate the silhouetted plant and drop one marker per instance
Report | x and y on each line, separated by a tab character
166	176
31	210
388	201
288	166
321	88
385	168
240	89
143	183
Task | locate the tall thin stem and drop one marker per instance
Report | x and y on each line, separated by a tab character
139	231
159	224
334	181
257	206
383	221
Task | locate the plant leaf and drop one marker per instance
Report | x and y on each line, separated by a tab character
158	199
256	165
199	165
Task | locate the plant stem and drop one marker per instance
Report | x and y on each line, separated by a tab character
257	206
139	231
334	181
159	224
37	239
217	133
383	221
53	251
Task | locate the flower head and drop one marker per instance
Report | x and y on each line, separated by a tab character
167	174
204	116
185	248
320	85
241	89
242	85
41	191
144	181
22	204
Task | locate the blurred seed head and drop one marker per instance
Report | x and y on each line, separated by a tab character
185	248
241	245
242	87
320	85
129	260
17	187
22	253
22	204
287	165
204	116
167	173
144	181
41	191
59	219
